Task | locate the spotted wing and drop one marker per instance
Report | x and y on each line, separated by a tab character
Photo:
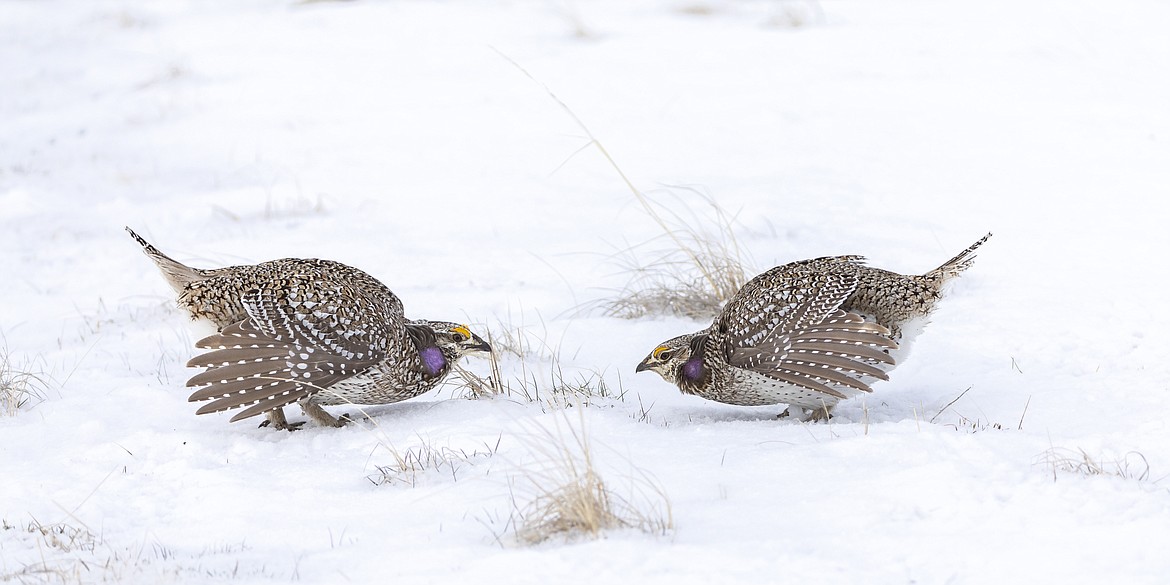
833	356
293	343
786	298
788	325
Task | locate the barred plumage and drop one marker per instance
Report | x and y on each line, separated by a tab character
808	333
314	332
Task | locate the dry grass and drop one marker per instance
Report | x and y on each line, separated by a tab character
506	340
690	271
965	423
701	265
36	553
1131	465
566	497
20	386
60	536
425	459
538	374
57	543
285	205
974	425
550	387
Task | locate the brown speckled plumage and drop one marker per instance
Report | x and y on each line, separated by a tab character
808	333
310	331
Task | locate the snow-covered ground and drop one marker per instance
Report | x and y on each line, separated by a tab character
397	136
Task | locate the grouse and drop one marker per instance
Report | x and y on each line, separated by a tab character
314	332
808	334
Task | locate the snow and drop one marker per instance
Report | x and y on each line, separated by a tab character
397	137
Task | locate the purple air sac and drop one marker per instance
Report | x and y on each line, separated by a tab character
433	360
693	369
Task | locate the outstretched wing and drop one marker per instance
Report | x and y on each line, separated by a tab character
833	355
297	340
787	324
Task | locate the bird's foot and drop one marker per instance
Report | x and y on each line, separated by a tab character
275	419
320	415
821	413
347	418
296	426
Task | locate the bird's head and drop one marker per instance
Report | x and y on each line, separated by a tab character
672	360
458	340
452	341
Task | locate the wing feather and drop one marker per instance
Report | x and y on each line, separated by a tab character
832	356
876	337
787	298
288	349
806	382
285	392
228	356
269	404
822	372
838	363
852	350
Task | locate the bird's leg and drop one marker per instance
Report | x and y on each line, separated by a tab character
275	419
823	412
319	415
348	418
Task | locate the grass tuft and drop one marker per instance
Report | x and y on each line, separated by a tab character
60	552
60	536
526	366
702	267
20	387
59	544
567	498
279	203
1131	465
691	271
425	458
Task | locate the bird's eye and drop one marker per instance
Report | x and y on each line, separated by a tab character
665	355
458	337
460	333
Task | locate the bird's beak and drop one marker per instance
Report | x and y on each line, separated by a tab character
642	367
481	347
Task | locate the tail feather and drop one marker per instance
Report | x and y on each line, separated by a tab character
959	263
177	274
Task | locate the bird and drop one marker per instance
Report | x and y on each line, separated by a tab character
807	334
310	331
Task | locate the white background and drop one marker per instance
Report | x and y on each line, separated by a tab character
395	137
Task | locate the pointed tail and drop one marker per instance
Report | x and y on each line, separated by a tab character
178	275
954	266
